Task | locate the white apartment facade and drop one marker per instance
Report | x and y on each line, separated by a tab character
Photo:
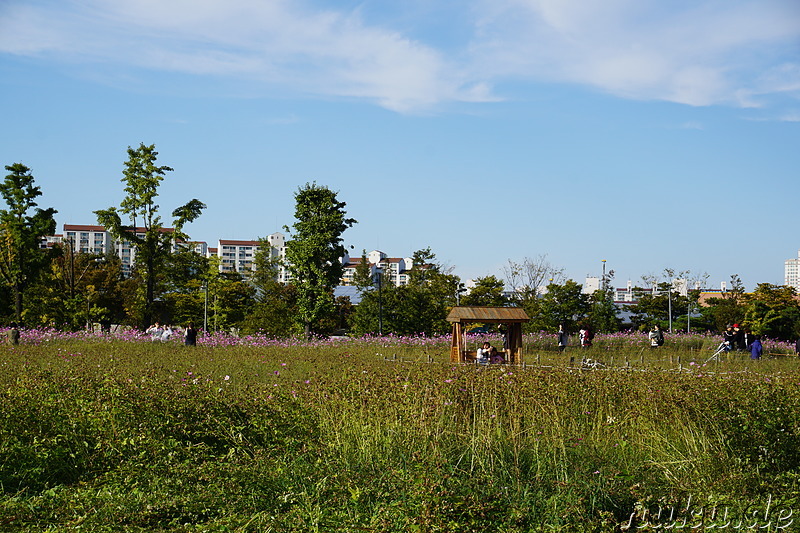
238	256
235	256
791	272
395	268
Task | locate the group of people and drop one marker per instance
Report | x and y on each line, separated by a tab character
488	354
736	338
164	333
585	337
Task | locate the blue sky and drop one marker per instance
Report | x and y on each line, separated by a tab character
650	134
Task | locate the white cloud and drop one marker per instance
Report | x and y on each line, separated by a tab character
273	42
696	53
702	52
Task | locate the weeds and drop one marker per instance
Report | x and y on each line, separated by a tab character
121	435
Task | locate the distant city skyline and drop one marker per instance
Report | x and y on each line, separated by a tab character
652	135
586	281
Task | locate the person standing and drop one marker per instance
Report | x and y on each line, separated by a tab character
563	338
586	337
155	332
756	348
739	342
728	338
190	335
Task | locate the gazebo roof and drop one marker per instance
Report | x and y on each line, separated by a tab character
488	315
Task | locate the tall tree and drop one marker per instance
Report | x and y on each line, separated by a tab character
488	291
146	233
315	252
774	311
21	260
603	314
562	304
729	308
527	278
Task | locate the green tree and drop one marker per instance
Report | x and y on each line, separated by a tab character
183	295
488	291
602	310
315	251
418	308
78	289
275	307
773	311
151	241
729	308
21	260
561	304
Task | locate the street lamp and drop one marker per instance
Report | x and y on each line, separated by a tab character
379	274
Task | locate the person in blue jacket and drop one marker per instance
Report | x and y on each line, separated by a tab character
755	348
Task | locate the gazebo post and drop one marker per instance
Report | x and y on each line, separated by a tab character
515	343
455	346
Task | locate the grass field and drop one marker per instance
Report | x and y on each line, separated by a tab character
386	435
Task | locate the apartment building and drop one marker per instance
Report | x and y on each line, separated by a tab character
238	256
235	256
395	268
791	272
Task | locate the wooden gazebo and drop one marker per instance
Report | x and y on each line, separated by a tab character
511	317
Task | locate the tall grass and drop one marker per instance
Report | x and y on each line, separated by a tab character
127	435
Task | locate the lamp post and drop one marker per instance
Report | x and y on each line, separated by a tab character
205	306
603	284
669	304
379	272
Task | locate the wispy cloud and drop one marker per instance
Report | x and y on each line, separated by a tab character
704	52
696	53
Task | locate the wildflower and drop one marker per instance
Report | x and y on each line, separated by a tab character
226	378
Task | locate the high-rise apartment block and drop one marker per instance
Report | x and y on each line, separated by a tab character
791	272
235	256
238	256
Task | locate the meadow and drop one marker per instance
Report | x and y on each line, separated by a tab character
384	434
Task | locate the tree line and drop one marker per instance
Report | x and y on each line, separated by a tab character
171	283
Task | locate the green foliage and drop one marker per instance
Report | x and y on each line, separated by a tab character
275	304
418	308
117	436
488	291
727	309
315	251
153	244
560	304
774	311
21	260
